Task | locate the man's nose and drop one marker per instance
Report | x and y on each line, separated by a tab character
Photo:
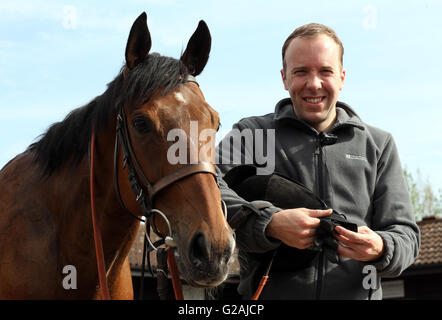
313	82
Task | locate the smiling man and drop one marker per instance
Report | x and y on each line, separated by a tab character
353	167
313	75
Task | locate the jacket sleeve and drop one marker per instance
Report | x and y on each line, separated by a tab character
393	217
249	219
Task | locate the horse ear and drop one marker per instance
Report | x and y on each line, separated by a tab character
197	52
139	42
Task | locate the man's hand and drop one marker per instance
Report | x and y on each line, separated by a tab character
366	245
296	227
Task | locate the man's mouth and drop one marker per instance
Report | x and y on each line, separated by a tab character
313	99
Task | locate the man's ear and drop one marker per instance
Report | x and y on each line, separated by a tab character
342	77
284	80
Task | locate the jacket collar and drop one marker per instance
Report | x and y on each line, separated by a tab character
346	116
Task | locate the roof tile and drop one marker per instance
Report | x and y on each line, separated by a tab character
431	241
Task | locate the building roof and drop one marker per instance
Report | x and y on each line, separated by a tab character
430	252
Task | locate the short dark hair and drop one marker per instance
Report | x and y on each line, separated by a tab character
309	30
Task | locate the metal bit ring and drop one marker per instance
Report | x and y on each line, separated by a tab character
168	239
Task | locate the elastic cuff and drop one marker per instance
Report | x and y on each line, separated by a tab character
385	260
261	222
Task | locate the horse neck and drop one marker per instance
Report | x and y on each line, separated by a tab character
118	230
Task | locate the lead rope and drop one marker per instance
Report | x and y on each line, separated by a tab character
143	267
104	289
264	278
176	282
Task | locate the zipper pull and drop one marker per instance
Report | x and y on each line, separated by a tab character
318	146
326	139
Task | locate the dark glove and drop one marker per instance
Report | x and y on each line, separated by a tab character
324	238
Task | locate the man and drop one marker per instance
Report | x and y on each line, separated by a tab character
350	165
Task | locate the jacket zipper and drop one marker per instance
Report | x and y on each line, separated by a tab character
320	186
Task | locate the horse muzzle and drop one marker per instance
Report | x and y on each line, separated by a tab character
205	263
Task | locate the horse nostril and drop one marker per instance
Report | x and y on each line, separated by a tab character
199	251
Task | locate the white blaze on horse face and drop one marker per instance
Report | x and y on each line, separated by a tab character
180	98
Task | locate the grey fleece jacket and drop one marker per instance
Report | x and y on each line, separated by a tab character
359	175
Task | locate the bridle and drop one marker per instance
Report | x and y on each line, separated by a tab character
145	198
145	193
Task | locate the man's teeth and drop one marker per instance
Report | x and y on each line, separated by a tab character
313	100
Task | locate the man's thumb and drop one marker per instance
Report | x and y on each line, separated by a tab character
320	213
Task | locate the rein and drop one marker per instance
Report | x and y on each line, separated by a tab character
144	194
97	232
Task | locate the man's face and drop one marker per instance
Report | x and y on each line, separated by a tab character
314	76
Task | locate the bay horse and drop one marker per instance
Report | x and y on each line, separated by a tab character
45	198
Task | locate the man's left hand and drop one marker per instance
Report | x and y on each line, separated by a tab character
365	245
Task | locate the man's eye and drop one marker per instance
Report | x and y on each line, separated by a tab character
142	124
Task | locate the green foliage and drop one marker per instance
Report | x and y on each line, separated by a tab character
424	200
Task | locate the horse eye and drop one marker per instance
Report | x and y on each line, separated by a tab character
219	126
142	124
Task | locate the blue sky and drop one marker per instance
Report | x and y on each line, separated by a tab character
57	55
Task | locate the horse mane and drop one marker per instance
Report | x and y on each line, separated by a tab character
67	141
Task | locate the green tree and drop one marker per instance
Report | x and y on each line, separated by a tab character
424	200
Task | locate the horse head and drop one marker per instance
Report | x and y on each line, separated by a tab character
175	114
